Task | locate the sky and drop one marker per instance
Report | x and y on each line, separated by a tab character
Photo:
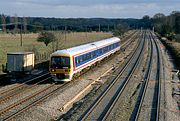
88	8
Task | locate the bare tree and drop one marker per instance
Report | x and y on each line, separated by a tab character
120	29
159	16
59	42
46	37
3	17
15	23
25	24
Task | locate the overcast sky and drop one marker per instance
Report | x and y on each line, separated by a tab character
88	8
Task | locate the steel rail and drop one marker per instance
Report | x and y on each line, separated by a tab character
20	102
8	97
138	106
114	101
156	96
21	85
134	35
99	99
39	100
158	85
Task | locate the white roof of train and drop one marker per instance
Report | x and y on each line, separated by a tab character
87	47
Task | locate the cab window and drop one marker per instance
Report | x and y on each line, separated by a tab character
60	61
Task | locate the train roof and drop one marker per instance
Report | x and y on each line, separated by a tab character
19	53
87	47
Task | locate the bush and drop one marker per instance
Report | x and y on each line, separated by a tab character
46	37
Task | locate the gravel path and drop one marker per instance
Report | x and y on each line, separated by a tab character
170	111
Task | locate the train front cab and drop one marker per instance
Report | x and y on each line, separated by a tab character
61	67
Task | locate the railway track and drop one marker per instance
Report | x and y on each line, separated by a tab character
105	102
16	92
11	111
148	102
129	40
157	93
22	88
22	85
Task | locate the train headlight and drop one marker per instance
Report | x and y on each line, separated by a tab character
53	70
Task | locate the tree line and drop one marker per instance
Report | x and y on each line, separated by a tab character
36	24
168	26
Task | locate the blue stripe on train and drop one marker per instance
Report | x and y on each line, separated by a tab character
82	59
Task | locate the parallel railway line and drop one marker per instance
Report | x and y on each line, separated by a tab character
102	106
22	85
16	92
157	94
22	105
153	104
144	86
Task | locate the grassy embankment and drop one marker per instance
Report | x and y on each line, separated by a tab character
174	48
11	43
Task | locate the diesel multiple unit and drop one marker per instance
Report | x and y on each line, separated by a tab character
67	63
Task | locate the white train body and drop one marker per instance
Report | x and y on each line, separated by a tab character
64	64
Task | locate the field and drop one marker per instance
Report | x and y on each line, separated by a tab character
11	42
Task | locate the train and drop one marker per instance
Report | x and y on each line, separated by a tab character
68	63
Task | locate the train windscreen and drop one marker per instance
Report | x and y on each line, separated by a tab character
60	62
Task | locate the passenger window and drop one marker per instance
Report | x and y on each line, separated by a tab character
81	60
78	61
92	54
